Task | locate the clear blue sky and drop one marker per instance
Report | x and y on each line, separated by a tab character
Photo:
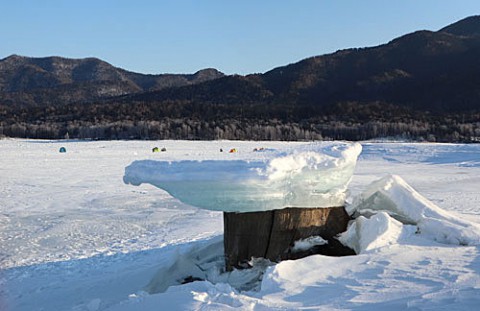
183	36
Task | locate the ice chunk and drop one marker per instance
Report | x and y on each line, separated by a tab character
311	175
306	244
368	234
394	196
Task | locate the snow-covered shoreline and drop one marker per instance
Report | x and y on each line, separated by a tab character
75	237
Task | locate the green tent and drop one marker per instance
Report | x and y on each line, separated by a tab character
155	149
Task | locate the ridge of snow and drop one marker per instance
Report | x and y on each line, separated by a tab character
392	195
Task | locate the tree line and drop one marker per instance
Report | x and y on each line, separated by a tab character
194	121
233	129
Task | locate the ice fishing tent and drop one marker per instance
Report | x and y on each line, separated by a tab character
155	149
62	150
270	204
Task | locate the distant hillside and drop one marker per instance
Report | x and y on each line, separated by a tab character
57	80
425	70
424	85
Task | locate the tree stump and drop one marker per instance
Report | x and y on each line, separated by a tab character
271	234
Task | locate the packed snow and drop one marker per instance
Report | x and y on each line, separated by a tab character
395	197
74	236
309	175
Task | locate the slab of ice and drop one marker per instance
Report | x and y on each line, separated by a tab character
310	175
369	234
392	195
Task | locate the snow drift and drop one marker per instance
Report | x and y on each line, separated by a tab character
392	202
311	175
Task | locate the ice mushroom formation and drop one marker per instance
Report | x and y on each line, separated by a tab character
309	175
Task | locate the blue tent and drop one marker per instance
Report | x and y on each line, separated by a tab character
62	150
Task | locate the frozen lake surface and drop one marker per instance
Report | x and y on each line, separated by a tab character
74	236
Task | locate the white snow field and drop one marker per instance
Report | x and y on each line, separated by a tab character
74	236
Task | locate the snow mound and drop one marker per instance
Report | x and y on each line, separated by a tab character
368	234
311	175
393	196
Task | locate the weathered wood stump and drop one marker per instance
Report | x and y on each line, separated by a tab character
271	234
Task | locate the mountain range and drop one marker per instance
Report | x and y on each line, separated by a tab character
425	70
57	80
416	75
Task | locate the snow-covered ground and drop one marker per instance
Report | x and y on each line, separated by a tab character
73	236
